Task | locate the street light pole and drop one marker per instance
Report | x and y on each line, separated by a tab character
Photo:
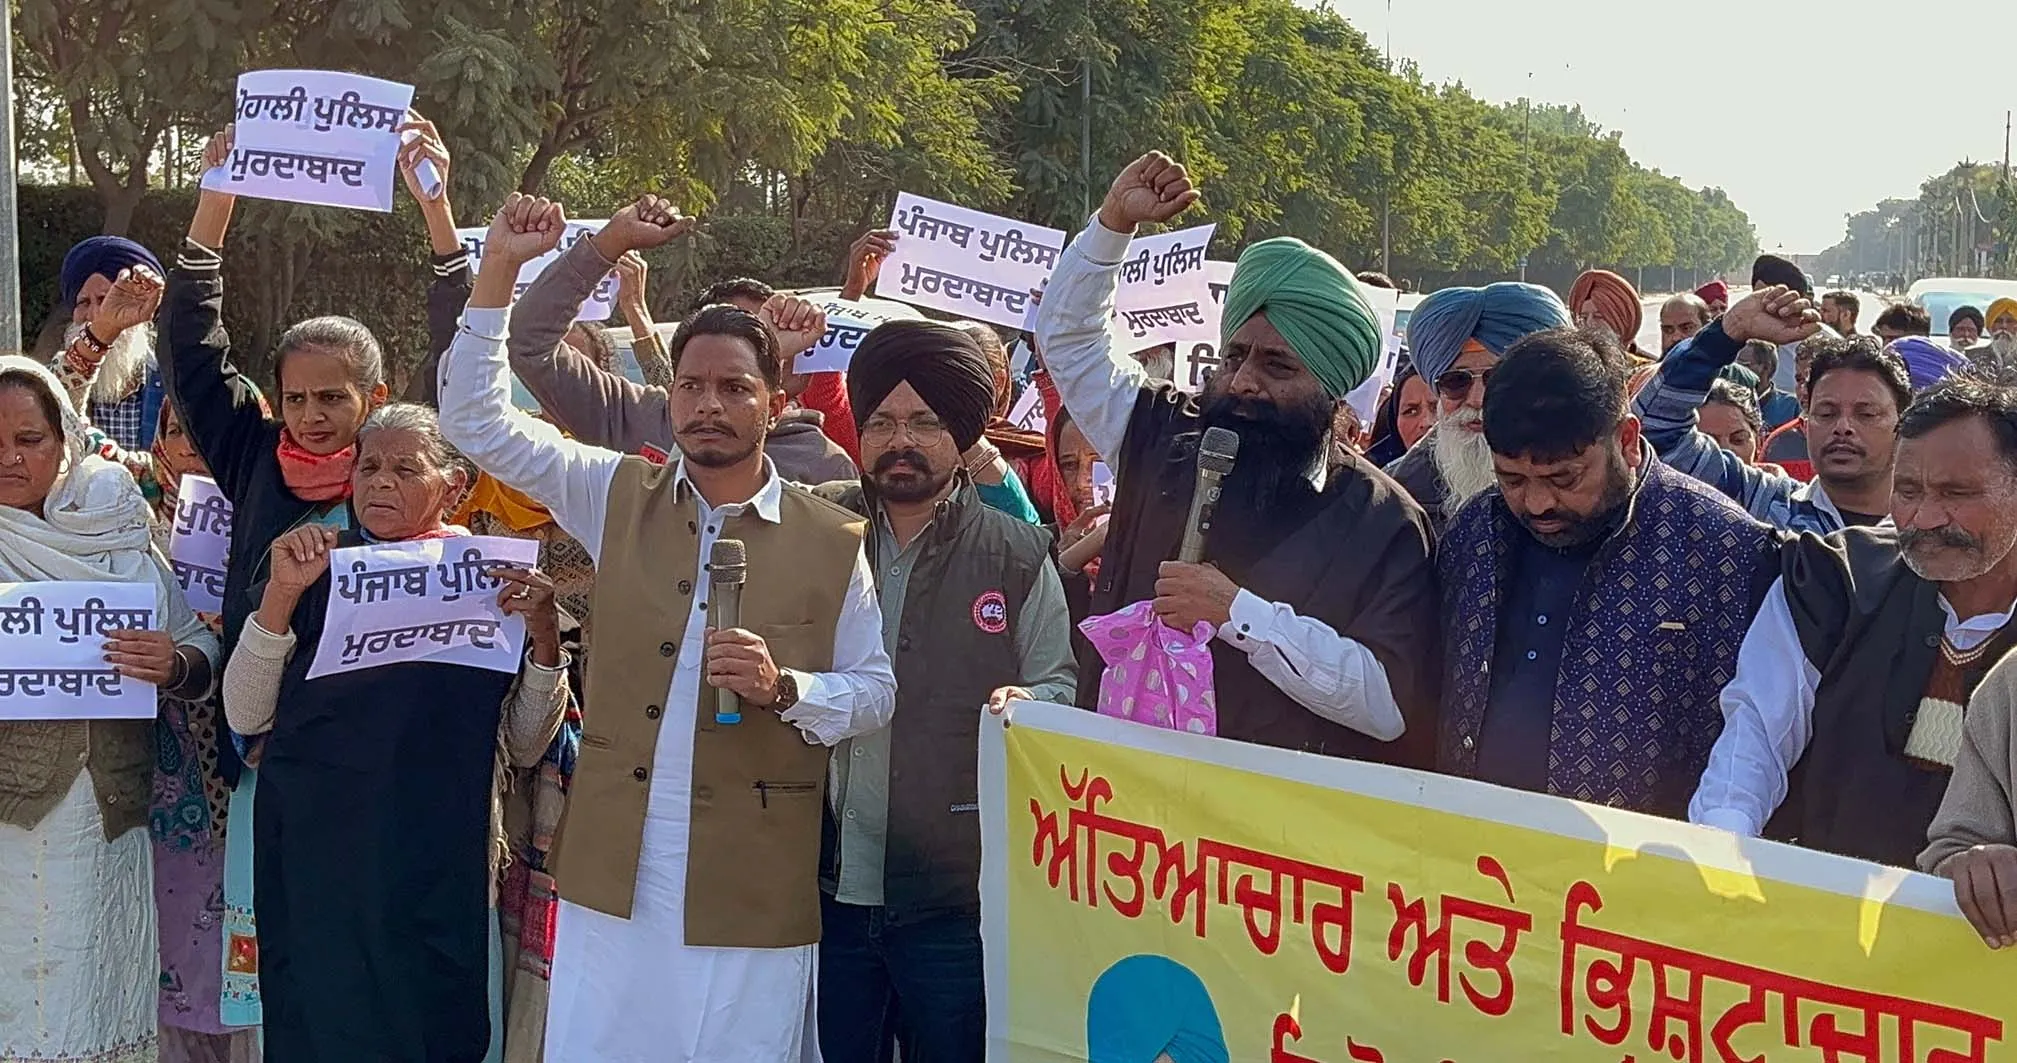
10	234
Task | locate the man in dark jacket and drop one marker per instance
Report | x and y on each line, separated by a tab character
1319	582
973	613
1844	719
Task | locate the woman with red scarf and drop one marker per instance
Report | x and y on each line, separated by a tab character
378	831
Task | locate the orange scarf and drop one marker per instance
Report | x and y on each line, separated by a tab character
315	477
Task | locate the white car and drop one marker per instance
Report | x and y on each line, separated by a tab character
1941	296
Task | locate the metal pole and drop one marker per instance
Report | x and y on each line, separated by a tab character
1086	125
1086	137
10	236
1527	150
1387	180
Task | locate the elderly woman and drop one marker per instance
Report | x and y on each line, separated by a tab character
375	833
77	923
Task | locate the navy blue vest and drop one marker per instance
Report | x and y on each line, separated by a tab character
1651	639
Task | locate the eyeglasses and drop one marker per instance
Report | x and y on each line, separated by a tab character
1455	385
924	431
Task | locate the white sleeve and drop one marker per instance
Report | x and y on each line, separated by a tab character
1333	676
1768	717
571	479
859	695
1099	385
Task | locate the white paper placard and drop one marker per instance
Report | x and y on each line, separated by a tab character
1028	411
200	542
52	650
979	266
1164	294
601	303
321	137
848	322
1103	484
1197	359
432	600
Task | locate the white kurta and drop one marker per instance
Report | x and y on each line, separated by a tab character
79	972
633	990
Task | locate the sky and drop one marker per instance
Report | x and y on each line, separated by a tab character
1804	113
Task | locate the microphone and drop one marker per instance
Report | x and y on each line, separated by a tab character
727	565
1216	453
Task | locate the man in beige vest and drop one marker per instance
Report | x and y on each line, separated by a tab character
688	858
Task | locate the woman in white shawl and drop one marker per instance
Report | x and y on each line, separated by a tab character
78	965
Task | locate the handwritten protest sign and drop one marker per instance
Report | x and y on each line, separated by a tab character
1103	484
848	322
1028	411
1164	294
1365	399
979	266
52	651
315	136
200	542
601	303
434	600
1297	909
1198	359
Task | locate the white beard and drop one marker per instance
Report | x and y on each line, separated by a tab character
124	368
2004	344
1463	457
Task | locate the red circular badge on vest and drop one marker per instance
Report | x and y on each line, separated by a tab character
990	613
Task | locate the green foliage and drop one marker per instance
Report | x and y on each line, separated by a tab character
795	123
1963	223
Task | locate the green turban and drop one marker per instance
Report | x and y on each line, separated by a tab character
1314	303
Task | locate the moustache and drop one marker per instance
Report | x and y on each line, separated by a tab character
1950	537
914	458
695	426
1844	448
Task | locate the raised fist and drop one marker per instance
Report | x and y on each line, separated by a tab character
650	222
1153	188
525	228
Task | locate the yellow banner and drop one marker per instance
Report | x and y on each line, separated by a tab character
1149	896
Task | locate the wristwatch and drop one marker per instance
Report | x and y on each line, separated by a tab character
787	691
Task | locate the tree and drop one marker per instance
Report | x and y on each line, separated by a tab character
116	75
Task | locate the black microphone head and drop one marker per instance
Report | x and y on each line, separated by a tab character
727	561
1217	451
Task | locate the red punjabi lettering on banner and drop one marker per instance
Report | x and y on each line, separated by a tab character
1500	943
1058	852
1412	917
1606	986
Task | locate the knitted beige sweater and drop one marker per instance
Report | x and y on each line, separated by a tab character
1978	807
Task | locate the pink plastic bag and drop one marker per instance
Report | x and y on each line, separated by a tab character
1155	675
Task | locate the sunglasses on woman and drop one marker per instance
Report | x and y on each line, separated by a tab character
1455	385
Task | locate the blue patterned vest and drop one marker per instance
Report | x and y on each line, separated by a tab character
1652	640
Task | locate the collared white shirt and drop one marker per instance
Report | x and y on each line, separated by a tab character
1768	714
1813	493
1335	677
571	479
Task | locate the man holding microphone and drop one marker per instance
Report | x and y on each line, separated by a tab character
1320	586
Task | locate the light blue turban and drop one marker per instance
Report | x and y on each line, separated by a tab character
1147	1006
1497	316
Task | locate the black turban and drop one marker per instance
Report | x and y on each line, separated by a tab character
943	363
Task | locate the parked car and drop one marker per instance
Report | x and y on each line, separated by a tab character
1941	296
